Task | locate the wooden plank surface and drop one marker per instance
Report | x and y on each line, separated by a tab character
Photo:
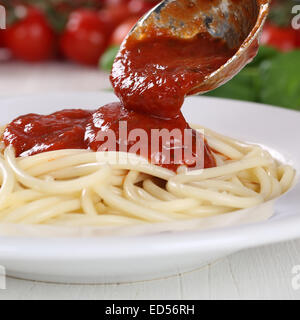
262	273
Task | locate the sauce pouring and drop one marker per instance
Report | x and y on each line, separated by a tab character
185	47
180	48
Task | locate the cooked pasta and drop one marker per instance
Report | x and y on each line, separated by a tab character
85	188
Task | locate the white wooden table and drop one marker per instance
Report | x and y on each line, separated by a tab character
262	273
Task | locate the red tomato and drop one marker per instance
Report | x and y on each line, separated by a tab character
298	38
115	3
84	39
140	7
31	38
113	16
122	30
284	39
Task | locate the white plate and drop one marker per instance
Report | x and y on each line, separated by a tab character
132	258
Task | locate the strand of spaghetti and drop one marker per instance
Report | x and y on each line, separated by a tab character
224	148
235	180
265	182
276	189
247	176
222	186
81	170
62	162
116	190
208	211
75	171
8	183
87	203
28	209
55	211
216	198
117	180
145	195
22	196
252	187
130	161
31	161
54	187
117	160
77	220
230	168
256	152
271	169
219	159
130	190
132	209
164	206
142	193
19	187
101	208
288	175
238	144
156	191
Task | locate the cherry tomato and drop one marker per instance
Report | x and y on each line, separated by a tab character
284	39
140	7
113	16
31	39
115	3
298	38
84	39
122	30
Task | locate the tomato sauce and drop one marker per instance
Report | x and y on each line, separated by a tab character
33	133
154	75
79	129
151	76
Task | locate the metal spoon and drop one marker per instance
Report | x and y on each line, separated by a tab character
238	22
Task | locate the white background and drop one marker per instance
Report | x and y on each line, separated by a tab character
262	273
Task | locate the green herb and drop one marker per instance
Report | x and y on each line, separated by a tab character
281	79
245	86
264	53
107	59
272	78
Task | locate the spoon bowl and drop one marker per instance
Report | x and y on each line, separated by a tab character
237	22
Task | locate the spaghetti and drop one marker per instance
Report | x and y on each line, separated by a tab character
85	188
55	170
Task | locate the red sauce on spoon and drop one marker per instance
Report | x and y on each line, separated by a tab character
151	76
